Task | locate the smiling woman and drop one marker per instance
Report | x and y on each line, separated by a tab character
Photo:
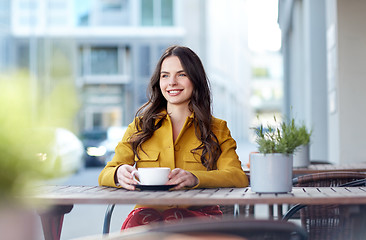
175	129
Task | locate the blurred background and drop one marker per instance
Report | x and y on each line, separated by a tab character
106	51
263	57
78	70
84	66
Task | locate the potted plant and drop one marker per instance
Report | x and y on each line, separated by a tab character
271	167
24	152
301	156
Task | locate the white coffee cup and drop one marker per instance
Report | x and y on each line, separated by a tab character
152	176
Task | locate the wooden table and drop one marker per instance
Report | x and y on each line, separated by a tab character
316	168
64	197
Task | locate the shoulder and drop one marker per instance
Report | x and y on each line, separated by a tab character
217	122
221	130
219	127
131	129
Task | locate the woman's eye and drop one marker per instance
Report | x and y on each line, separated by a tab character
182	75
164	76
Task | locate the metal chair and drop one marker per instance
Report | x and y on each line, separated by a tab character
227	210
250	229
107	218
327	179
334	221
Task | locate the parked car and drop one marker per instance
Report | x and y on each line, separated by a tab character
99	145
62	155
94	154
114	136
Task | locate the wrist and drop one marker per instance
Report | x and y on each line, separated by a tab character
116	177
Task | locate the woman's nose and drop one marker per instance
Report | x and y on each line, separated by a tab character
172	81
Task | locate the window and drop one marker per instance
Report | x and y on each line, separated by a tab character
147	13
103	105
23	56
82	12
100	62
30	5
113	13
144	61
103	117
56	21
56	4
4	14
104	60
29	20
166	12
102	12
157	12
113	5
97	119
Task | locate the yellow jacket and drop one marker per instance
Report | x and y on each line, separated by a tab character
161	151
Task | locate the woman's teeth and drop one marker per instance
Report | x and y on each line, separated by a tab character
174	92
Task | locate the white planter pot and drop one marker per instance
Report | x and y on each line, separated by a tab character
301	156
271	173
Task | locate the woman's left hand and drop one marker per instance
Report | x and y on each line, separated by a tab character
182	178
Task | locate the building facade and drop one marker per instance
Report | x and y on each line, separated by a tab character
324	56
107	49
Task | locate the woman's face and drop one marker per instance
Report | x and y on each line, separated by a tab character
175	85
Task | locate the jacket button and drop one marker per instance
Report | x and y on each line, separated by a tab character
176	148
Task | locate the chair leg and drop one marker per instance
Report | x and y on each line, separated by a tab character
251	211
236	210
107	218
279	211
270	211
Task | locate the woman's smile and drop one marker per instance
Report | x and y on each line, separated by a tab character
174	92
175	84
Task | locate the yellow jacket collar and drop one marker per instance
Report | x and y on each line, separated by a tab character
164	114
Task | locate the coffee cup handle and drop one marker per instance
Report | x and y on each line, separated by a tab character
134	173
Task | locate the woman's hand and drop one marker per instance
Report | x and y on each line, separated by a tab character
182	178
125	178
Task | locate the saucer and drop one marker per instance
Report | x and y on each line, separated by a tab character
154	187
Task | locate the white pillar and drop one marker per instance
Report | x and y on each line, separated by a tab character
346	79
315	78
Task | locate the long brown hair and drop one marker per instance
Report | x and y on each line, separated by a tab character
149	116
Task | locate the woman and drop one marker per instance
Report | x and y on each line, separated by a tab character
176	129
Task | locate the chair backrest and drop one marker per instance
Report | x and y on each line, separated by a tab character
327	179
331	221
250	229
227	210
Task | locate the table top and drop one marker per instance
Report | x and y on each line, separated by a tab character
65	195
316	168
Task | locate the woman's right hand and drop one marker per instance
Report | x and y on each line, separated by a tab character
125	178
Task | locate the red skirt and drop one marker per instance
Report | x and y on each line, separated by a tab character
143	216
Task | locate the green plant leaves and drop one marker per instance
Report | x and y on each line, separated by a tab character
284	138
25	140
